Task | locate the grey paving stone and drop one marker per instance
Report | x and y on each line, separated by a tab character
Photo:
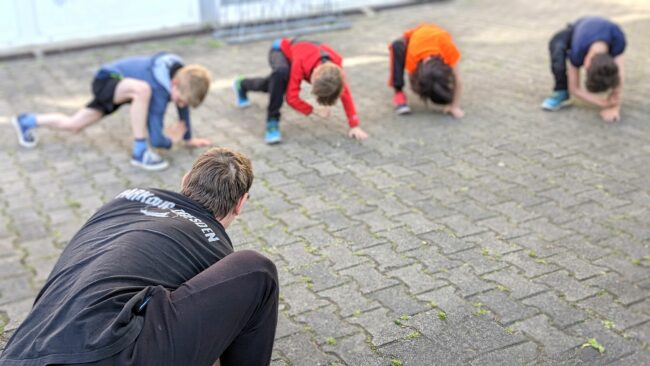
424	351
294	220
616	347
518	354
571	289
401	239
505	309
605	306
529	264
416	279
467	282
385	257
285	326
637	358
319	276
446	299
349	299
368	278
298	255
561	314
417	223
11	266
432	259
625	292
580	269
299	346
14	289
629	270
358	237
461	226
553	340
381	325
504	228
480	261
518	286
300	299
398	300
325	324
446	241
355	350
341	257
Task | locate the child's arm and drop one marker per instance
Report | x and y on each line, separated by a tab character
184	117
613	113
293	92
573	74
355	131
454	107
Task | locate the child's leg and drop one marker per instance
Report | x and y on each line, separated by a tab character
558	47
277	85
138	93
75	123
397	51
255	84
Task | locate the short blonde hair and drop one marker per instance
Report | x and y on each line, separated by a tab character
193	83
327	83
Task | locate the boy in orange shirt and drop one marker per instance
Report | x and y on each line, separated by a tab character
430	57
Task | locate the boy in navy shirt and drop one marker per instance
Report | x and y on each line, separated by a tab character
597	44
148	83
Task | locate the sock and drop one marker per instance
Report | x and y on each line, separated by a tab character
28	120
139	147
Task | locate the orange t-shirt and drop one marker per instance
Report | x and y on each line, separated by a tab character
429	40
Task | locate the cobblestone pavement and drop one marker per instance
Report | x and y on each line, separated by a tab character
510	237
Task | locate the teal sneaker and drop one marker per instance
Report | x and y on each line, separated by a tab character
241	100
557	100
273	135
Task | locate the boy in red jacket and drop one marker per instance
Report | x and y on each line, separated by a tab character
293	61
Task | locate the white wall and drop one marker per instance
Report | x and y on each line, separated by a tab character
38	22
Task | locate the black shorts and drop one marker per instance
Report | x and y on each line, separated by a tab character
103	92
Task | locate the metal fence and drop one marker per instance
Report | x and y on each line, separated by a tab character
238	21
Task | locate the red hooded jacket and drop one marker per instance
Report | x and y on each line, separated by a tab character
303	57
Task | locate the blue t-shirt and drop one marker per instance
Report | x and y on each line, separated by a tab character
588	30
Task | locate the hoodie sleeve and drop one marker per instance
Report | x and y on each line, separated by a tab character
293	91
348	106
184	115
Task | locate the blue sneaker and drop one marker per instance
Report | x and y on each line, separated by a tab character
240	96
557	100
273	135
149	161
24	125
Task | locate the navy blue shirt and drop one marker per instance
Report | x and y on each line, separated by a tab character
588	30
88	309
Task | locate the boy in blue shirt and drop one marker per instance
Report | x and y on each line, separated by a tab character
148	83
597	44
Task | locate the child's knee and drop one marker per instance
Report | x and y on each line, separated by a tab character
141	90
